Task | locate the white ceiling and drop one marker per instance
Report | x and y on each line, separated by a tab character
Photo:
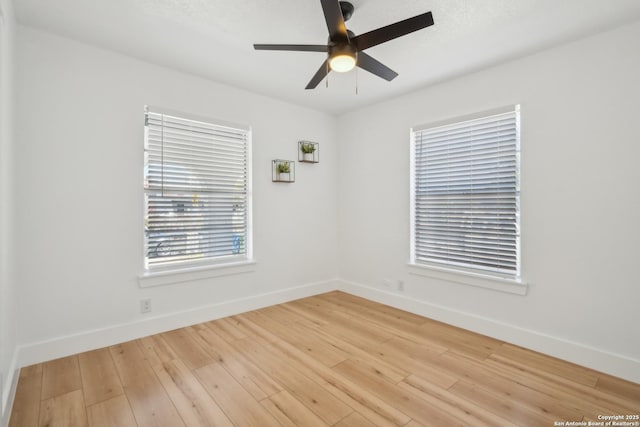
214	38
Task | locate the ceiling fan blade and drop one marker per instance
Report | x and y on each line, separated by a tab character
375	67
296	47
320	74
335	21
390	32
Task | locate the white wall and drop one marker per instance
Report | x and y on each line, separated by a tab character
580	199
80	200
7	284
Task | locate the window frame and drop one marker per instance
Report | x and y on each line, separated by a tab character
450	271
175	272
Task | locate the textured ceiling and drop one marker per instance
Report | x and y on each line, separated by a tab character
214	38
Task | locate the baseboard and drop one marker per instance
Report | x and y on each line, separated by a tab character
94	339
9	392
580	354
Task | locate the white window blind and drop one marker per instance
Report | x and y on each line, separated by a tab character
466	195
196	191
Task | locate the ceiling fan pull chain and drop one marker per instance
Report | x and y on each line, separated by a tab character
356	80
327	79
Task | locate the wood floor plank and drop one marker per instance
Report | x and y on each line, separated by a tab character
379	315
356	353
410	326
130	362
287	317
156	350
413	406
66	410
619	387
150	403
461	408
327	360
371	367
382	308
60	376
236	402
476	373
26	409
360	399
305	307
194	404
546	364
537	370
100	380
412	356
590	401
345	322
433	394
229	329
310	393
303	337
187	349
148	399
32	370
410	330
356	331
259	335
252	378
311	319
510	409
114	412
290	412
453	338
355	420
292	333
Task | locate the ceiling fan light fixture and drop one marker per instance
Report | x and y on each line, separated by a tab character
342	58
342	63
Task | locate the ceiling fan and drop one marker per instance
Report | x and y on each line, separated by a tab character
345	49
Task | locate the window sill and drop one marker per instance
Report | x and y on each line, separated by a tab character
511	286
171	277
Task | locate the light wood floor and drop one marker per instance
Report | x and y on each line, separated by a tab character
332	359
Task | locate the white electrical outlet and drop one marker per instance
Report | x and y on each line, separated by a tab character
145	305
400	285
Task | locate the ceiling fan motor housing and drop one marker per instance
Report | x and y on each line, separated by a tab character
342	49
347	10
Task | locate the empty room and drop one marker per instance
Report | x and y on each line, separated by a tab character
319	213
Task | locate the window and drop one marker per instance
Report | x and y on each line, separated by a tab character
196	192
466	194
